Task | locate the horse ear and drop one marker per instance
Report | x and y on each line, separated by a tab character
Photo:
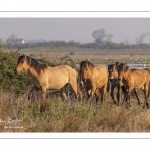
117	63
126	68
24	56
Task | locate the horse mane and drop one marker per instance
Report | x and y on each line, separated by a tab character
110	66
90	64
83	63
36	64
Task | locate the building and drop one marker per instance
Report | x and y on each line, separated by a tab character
15	41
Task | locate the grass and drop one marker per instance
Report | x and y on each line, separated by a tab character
18	115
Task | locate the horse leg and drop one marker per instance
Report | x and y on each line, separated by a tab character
135	92
74	88
80	93
146	93
124	93
88	93
97	95
103	91
63	93
118	94
128	97
92	95
33	90
112	93
42	103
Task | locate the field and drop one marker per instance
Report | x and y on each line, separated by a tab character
95	55
19	115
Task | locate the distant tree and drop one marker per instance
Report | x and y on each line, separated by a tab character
141	37
126	42
13	36
101	37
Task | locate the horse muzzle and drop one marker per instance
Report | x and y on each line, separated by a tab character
119	79
83	81
16	71
81	84
111	79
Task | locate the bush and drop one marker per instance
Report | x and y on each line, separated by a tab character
8	79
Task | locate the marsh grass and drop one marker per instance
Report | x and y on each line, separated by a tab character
71	116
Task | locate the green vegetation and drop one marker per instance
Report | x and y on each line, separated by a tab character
8	79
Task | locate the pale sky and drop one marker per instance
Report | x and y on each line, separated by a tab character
76	29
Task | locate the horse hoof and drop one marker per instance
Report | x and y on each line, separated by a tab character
147	104
42	107
115	102
127	106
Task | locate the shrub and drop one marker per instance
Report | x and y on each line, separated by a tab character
8	79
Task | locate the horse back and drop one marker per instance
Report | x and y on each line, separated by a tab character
138	77
101	70
100	75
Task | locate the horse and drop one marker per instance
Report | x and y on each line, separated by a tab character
94	77
88	87
134	79
45	77
113	77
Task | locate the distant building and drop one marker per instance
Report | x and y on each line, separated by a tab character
15	41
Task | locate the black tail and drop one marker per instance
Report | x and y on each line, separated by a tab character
123	89
108	84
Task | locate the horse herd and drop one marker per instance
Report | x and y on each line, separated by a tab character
95	78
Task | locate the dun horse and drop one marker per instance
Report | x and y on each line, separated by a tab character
94	77
49	78
113	77
134	78
88	87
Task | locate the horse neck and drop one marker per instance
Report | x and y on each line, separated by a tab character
91	72
126	74
115	74
33	72
32	69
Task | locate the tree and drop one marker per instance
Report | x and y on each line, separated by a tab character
101	37
141	37
13	36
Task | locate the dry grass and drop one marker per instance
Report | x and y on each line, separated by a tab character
18	115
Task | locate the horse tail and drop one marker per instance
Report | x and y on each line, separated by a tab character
78	87
123	89
108	85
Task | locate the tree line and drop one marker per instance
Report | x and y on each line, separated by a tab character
102	40
108	45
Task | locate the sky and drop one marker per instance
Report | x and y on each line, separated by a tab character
74	29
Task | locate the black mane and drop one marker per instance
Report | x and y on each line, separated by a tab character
83	63
36	64
33	63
